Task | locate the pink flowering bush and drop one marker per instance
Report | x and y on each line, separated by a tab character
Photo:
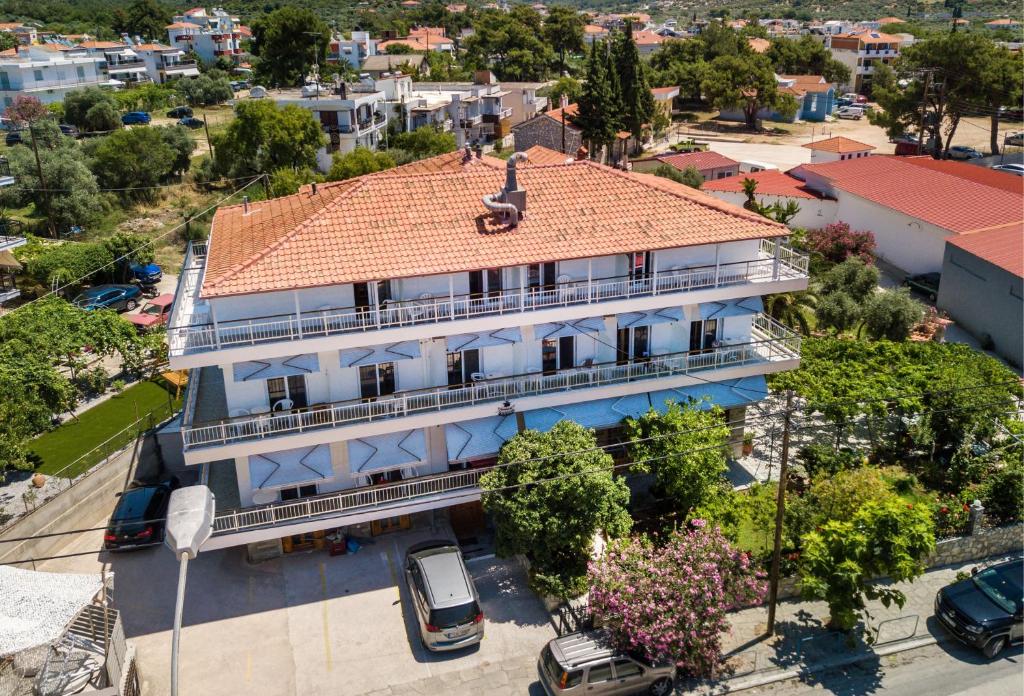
670	602
837	242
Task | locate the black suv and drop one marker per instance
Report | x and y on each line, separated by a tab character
984	610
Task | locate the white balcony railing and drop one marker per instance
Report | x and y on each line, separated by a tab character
772	342
193	332
338	504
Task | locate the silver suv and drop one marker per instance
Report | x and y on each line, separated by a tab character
585	663
447	605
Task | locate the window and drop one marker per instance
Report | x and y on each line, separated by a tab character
376	380
640	264
541	275
296	492
599	673
292	387
80	71
703	335
461	366
392	476
633	344
557	354
485	283
363	297
627	668
37	75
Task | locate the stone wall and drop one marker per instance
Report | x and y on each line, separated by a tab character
989	542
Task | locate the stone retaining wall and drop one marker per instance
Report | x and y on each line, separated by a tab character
989	542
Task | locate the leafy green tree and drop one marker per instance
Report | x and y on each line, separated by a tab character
853	277
285	181
1002	87
399	49
425	141
132	159
806	56
563	31
25	109
281	40
689	176
8	41
147	97
143	18
595	116
264	137
91	109
837	311
792	309
567	85
510	44
182	145
549	496
358	162
204	90
891	314
746	82
842	563
638	102
48	262
686	448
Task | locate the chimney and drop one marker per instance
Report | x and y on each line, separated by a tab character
467	155
245	205
564	101
343	89
314	188
513	193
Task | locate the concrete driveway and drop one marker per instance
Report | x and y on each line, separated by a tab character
305	624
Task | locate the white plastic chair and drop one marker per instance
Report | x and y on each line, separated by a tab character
238	412
283	405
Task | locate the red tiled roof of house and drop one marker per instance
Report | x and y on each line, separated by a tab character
665	92
538	154
1004	21
1003	248
101	44
770	182
981	175
808	83
645	37
839	145
891	20
954	203
758	45
183	25
698	160
594	29
394	226
570	113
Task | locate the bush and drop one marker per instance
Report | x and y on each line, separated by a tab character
1002	493
689	176
837	243
91	109
92	381
891	314
825	460
950	515
357	163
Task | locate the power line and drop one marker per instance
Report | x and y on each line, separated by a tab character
129	188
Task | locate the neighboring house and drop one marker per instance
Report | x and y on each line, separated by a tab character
422	39
1004	23
25	34
524	100
379	65
210	35
547	131
773	186
594	32
120	62
759	45
837	148
166	63
861	52
354	50
913	206
663	97
49	72
354	115
982	288
711	165
878	24
815	98
647	42
359	352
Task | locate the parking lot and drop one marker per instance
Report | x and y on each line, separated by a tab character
307	623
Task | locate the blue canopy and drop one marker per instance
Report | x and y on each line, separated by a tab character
731	308
290	467
478	438
735	392
501	337
650	318
384	452
372	355
276	367
589	325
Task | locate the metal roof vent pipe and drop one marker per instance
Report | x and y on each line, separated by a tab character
314	188
511	200
467	154
245	205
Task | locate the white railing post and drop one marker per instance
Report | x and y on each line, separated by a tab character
775	260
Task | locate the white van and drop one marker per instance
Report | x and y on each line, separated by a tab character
750	166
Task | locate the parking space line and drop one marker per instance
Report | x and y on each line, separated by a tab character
323	607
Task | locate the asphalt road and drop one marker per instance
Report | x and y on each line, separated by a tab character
949	669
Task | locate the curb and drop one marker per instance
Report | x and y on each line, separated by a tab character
743	684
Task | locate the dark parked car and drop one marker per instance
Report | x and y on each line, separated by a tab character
13	138
180	112
138	518
926	283
136	118
191	122
984	611
146	273
69	130
119	297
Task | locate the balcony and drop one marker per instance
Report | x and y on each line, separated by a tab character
179	65
335	509
771	343
192	331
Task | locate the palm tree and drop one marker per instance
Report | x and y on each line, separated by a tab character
749	189
790	308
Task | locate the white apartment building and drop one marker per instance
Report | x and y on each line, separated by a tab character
165	63
353	50
210	35
360	351
49	72
861	52
120	62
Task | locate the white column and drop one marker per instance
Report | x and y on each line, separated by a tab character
216	329
374	300
718	250
654	272
298	311
590	280
775	258
451	295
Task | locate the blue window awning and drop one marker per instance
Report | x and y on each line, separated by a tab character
385	452
732	308
276	367
290	467
650	318
501	337
373	355
478	438
734	392
588	325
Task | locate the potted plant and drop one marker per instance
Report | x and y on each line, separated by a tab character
748	444
38	480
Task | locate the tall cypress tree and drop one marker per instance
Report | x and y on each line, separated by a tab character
616	106
637	100
592	117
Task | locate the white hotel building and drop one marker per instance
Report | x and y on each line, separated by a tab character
360	351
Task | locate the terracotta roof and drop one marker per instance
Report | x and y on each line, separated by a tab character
1003	248
183	25
759	45
647	38
418	43
808	83
871	37
570	113
594	29
406	225
981	175
838	145
698	160
770	182
538	154
154	47
1002	22
665	92
101	44
954	203
890	20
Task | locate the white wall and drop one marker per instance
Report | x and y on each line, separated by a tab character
814	213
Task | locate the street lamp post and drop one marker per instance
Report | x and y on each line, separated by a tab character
190	516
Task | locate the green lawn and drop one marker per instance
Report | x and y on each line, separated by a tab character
59	448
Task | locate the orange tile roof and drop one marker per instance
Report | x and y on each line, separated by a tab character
698	160
890	20
871	37
953	203
838	145
1005	21
538	154
808	83
981	175
1003	248
101	44
570	113
406	225
646	38
665	91
594	29
758	45
155	47
183	25
770	182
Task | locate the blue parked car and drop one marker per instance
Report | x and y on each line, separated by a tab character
190	122
146	273
136	118
117	297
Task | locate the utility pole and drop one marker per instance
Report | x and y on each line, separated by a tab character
780	511
924	110
42	181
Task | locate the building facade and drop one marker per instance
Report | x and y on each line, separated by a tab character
166	63
861	52
385	336
49	73
210	35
